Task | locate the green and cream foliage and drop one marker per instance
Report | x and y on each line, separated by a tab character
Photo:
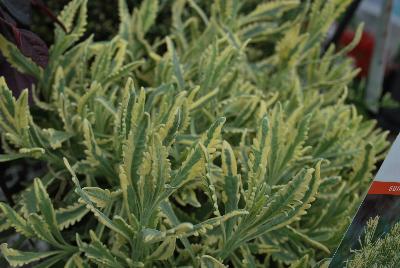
226	142
377	250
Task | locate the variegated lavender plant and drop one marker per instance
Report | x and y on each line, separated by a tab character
227	141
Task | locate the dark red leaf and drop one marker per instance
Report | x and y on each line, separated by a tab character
34	47
30	44
17	36
15	80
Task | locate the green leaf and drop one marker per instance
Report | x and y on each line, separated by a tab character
165	250
11	157
14	115
170	127
156	172
170	214
97	252
291	202
135	145
43	232
56	137
95	156
52	261
147	14
230	195
85	198
46	208
101	197
268	11
152	235
122	72
75	11
76	262
301	236
363	164
15	57
178	73
18	258
210	262
16	221
124	20
193	163
301	263
258	159
87	97
200	103
130	231
70	215
289	197
187	229
7	108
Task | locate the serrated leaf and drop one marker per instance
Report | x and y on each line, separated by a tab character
16	221
70	215
258	159
99	215
98	252
46	208
15	117
165	250
268	11
18	60
178	73
95	156
121	72
76	10
147	14
56	137
231	195
42	230
210	262
101	197
170	127
290	195
193	163
76	262
18	258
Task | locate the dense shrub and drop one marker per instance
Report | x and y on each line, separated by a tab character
377	250
226	141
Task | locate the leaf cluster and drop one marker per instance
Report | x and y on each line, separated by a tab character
377	250
226	141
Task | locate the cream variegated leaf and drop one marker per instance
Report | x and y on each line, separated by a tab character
195	136
16	221
18	60
98	252
20	258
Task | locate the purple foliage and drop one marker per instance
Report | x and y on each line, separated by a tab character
14	15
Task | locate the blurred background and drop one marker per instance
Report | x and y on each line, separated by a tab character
376	91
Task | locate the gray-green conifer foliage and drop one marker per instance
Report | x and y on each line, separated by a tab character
377	250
